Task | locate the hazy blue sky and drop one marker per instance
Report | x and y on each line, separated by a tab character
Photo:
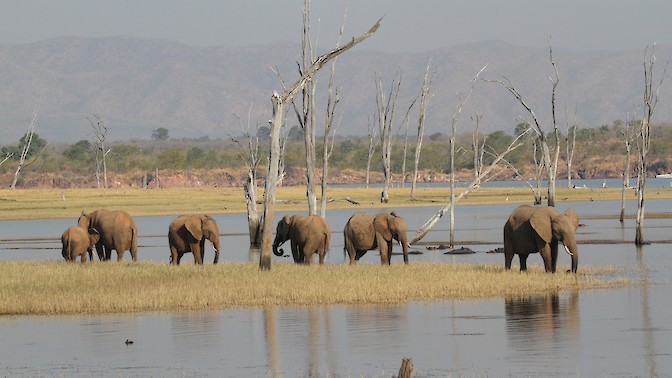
409	25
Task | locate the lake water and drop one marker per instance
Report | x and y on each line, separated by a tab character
616	332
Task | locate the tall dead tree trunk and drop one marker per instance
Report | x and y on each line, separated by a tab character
627	138
371	151
570	146
455	121
100	131
28	139
333	98
644	140
384	116
251	159
422	116
279	101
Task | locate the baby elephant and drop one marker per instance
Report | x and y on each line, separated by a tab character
187	233
77	241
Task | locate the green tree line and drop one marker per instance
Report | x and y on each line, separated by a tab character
348	153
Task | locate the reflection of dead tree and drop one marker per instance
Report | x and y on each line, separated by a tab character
424	102
644	138
279	102
100	131
28	138
251	159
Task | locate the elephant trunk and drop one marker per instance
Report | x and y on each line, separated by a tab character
215	244
573	251
404	247
277	243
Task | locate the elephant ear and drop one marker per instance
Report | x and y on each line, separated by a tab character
382	227
193	225
541	223
94	235
573	216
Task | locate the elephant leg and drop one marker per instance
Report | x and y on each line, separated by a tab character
546	256
196	250
173	255
84	257
307	257
322	254
508	258
523	261
295	253
179	257
554	255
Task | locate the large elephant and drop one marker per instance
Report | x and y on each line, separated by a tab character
365	232
187	233
117	231
307	234
531	229
77	241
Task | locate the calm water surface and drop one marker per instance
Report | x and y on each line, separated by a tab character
617	332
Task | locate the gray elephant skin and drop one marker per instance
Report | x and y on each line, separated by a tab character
364	232
117	231
307	234
532	229
188	233
77	241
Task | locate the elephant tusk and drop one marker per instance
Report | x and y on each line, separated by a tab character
567	250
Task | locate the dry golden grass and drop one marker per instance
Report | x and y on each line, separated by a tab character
69	203
58	287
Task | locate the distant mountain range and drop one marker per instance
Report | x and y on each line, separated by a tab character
139	85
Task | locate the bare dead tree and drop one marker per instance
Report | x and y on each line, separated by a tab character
100	130
7	157
28	139
404	153
251	158
627	133
551	164
455	121
422	231
644	138
333	98
570	147
279	102
371	151
384	118
425	96
477	145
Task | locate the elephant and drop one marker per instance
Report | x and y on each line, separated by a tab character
307	234
117	231
77	241
187	233
365	232
531	229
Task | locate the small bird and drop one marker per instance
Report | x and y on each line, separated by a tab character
129	342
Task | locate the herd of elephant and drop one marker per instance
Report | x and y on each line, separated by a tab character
529	229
